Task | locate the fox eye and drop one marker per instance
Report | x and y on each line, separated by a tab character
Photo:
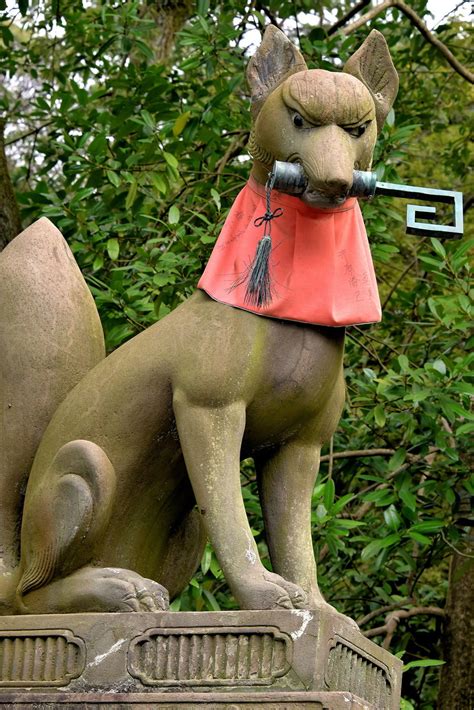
356	131
298	120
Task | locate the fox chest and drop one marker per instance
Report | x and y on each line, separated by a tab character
302	369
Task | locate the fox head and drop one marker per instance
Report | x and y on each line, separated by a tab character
326	121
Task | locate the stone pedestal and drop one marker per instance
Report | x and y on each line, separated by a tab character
236	659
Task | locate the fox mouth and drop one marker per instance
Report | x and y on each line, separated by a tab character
316	198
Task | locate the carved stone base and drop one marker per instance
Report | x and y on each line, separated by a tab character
191	701
248	659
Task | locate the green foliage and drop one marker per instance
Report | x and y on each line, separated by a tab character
137	163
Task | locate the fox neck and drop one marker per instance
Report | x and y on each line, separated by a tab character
262	160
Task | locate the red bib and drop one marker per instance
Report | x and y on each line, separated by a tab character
321	268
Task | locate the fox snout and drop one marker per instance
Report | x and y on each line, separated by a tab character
328	161
327	194
335	190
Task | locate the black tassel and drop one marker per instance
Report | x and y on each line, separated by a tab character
258	291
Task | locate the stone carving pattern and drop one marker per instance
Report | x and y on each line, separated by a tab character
49	658
252	656
351	671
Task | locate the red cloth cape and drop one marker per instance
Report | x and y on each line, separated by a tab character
321	268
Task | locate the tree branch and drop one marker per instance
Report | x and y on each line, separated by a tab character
357	454
235	148
33	132
260	7
420	26
468	202
382	610
456	550
398	281
454	9
372	354
348	16
392	620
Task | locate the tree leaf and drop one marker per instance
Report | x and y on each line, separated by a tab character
440	366
180	124
113	178
341	503
427	526
113	248
424	663
131	195
438	247
206	560
97	146
379	415
173	215
329	492
82	195
407	497
397	459
418	537
148	119
163	279
98	262
374	547
216	197
170	159
159	183
404	363
212	601
392	517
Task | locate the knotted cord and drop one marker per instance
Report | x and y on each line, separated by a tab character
259	290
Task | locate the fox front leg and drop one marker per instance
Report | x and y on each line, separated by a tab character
211	439
286	483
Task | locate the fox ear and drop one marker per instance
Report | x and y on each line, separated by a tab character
275	60
373	66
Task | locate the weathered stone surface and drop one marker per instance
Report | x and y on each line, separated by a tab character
303	658
171	701
140	461
162	423
300	115
50	337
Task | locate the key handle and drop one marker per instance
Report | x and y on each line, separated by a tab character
366	185
291	179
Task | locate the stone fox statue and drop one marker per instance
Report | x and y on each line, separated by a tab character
140	460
